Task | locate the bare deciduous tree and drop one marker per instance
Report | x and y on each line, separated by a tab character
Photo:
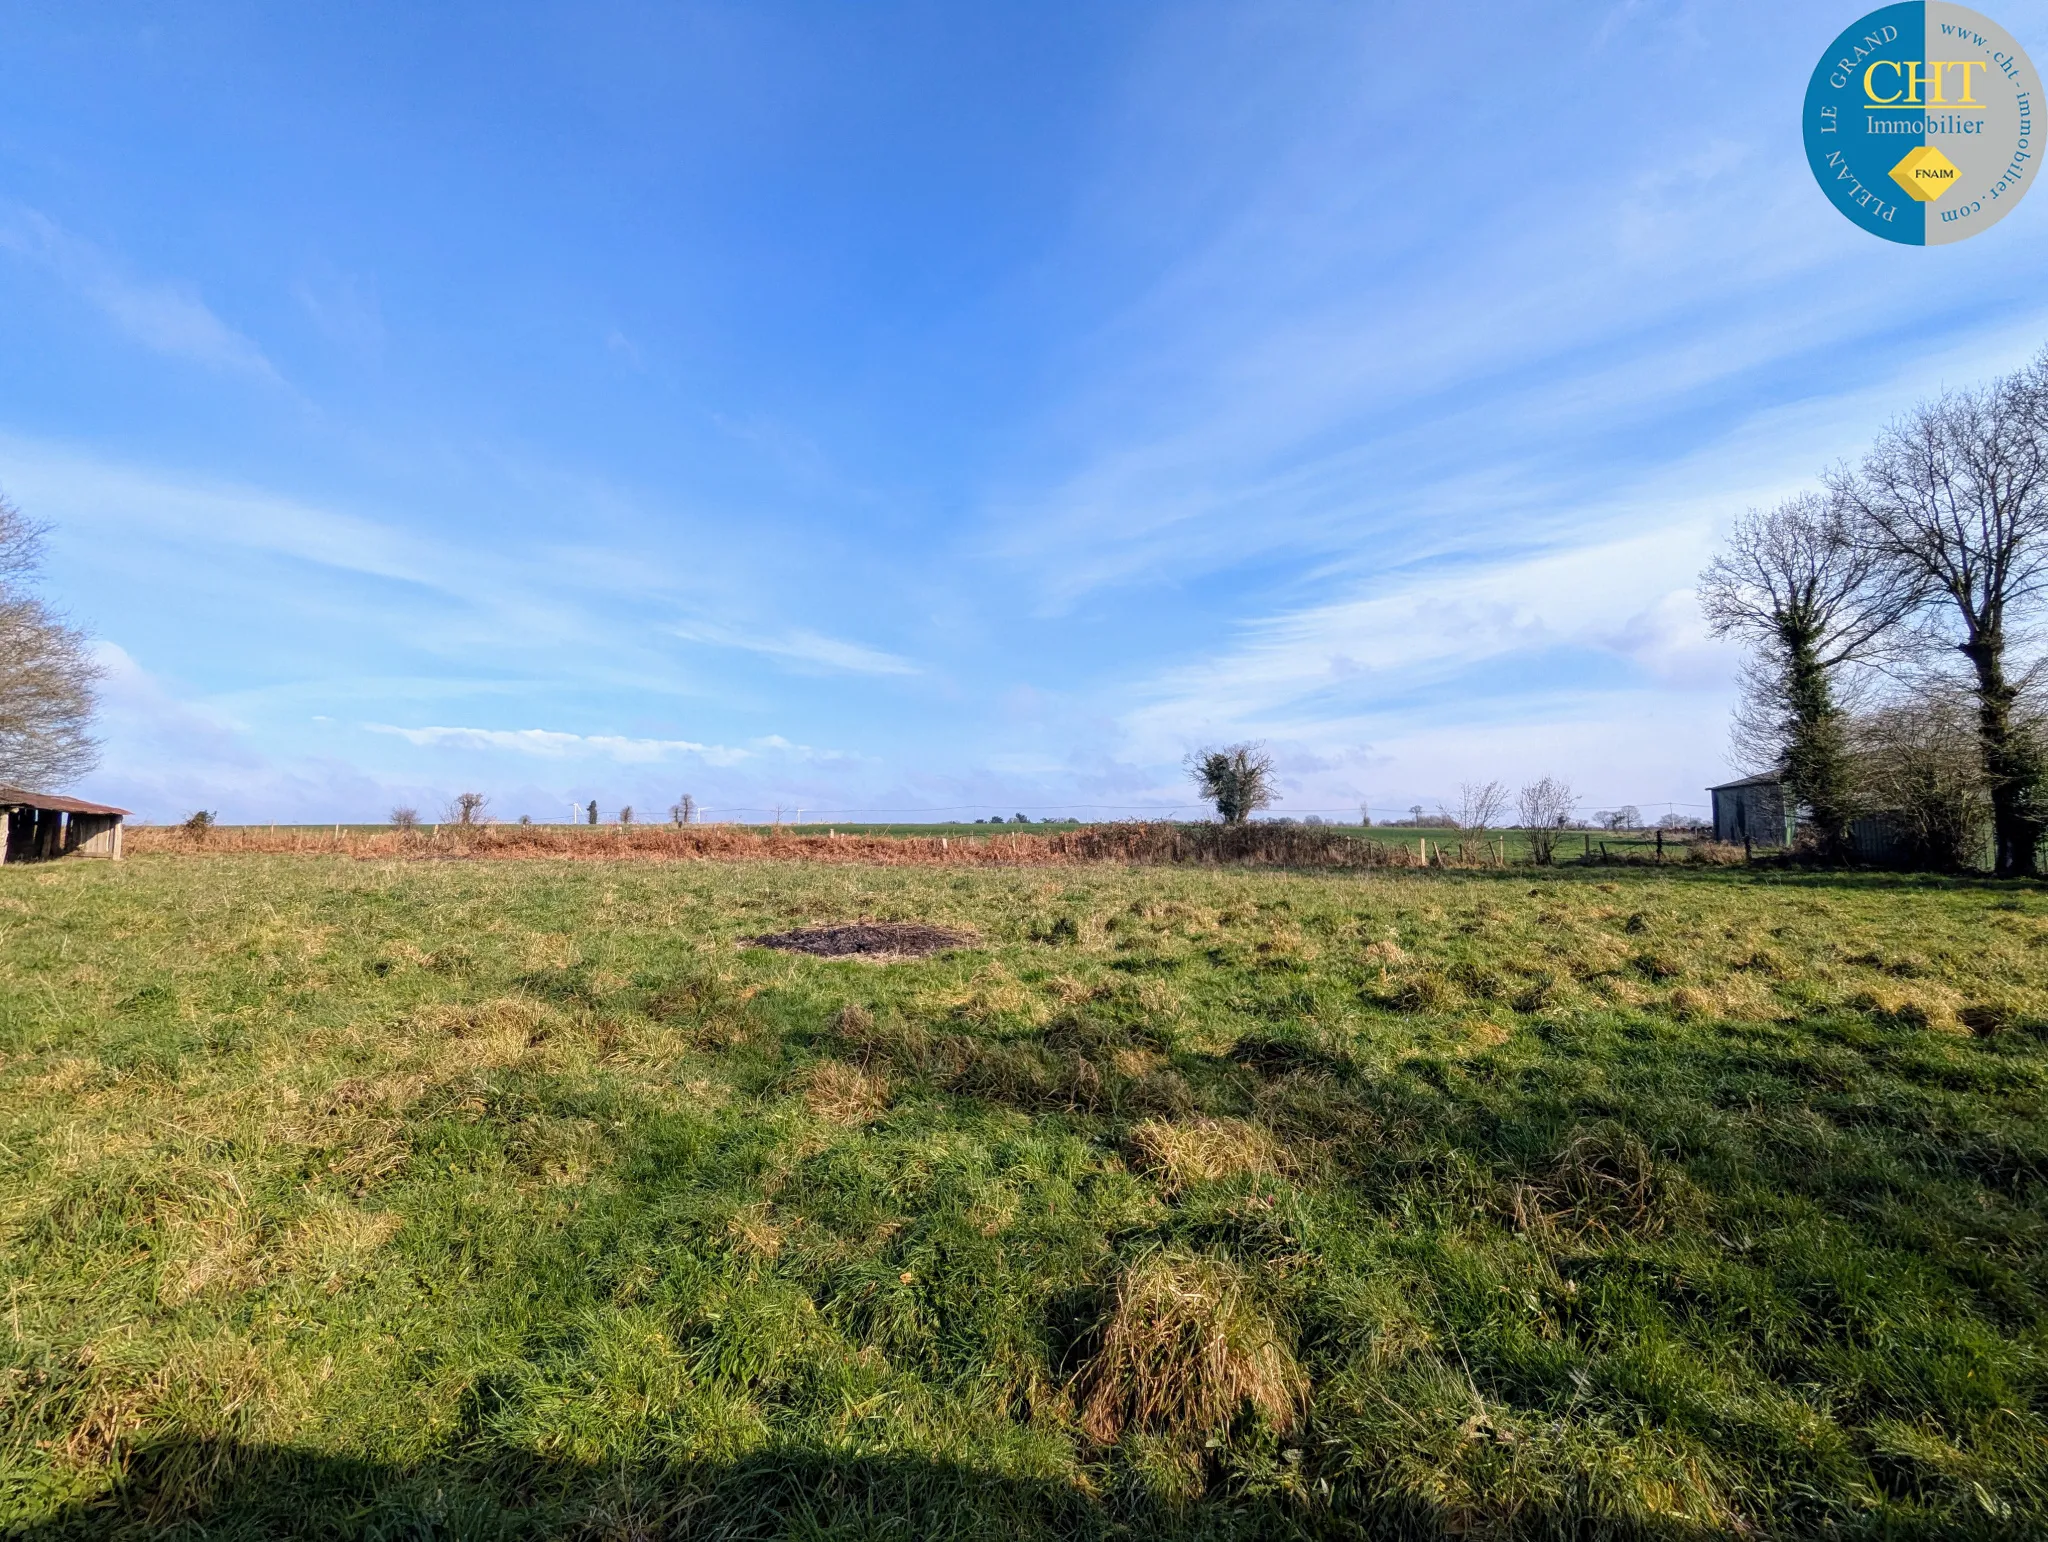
1918	762
1238	779
1545	807
685	812
468	809
1811	601
1955	495
47	675
1480	804
404	818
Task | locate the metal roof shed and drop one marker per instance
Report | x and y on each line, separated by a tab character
41	825
1753	808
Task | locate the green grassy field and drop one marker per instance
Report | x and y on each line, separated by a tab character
474	1199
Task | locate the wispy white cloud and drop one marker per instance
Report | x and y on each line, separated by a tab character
1420	632
237	546
165	317
553	744
120	501
800	647
343	308
448	593
166	753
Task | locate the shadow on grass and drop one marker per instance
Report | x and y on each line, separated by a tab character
192	1489
1756	875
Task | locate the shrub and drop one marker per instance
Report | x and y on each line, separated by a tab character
1480	804
1918	762
1545	807
403	818
199	824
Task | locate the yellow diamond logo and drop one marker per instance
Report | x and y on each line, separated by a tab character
1925	173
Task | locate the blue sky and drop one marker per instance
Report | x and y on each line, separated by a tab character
867	407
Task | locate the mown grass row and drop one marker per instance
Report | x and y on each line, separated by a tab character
350	1199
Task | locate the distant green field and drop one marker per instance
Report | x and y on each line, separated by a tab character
346	1198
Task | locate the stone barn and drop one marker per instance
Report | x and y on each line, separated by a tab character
40	826
1754	809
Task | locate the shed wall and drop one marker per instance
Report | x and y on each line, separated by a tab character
1754	812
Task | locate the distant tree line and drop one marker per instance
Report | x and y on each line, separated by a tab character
1239	779
1891	618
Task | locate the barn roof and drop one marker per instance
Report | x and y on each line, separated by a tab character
1761	779
17	797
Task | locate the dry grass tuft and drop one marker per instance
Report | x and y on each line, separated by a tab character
845	1094
339	1240
755	1232
1204	1151
1734	999
1922	1004
1483	1033
1426	990
212	1242
1183	1350
1607	1179
1715	854
1691	1005
487	1034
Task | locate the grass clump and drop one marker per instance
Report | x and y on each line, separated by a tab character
845	1094
1203	1150
1184	1350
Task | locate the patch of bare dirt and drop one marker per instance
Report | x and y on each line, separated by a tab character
873	941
